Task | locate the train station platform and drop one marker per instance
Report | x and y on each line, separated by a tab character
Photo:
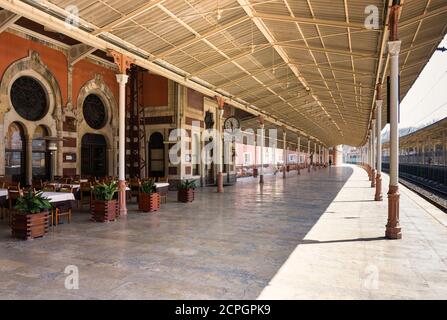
317	235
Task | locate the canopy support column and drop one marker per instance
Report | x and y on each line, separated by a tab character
262	143
393	229
379	196
123	62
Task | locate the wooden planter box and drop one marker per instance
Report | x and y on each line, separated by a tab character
185	195
30	226
149	202
104	211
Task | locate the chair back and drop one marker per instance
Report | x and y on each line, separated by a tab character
66	188
86	186
13	194
49	188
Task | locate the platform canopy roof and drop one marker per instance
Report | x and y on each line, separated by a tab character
310	65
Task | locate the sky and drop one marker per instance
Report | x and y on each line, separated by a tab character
427	99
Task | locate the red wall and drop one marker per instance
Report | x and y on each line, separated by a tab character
155	90
13	48
85	71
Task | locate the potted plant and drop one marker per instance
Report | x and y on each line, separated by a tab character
186	191
148	198
31	220
104	206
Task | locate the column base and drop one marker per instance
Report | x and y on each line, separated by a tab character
378	196
220	188
122	198
308	168
373	178
284	172
261	179
393	229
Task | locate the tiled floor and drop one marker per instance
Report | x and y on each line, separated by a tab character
231	245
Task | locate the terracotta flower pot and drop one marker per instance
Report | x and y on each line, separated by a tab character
104	211
185	195
30	226
149	202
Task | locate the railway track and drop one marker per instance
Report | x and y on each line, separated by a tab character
433	194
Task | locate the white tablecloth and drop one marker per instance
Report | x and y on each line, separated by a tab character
58	185
161	184
3	192
58	196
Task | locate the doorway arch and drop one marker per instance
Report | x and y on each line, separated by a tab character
15	153
156	155
41	157
93	155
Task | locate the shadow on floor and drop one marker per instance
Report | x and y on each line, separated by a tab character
221	246
342	241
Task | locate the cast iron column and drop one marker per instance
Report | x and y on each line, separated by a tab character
122	80
284	162
262	138
379	196
393	229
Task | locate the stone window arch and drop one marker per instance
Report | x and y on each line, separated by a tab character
32	69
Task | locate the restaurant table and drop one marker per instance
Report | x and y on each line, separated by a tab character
3	198
60	200
58	185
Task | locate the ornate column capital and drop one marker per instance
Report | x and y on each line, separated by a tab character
379	103
394	47
122	61
122	79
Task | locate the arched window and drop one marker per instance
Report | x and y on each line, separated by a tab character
15	154
94	112
41	156
156	155
29	98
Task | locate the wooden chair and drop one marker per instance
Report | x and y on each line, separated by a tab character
85	191
64	210
49	188
163	179
13	194
66	188
37	184
134	186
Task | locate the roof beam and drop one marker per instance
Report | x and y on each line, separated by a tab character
132	15
246	5
79	52
201	37
7	19
238	56
247	76
328	50
426	15
321	22
39	15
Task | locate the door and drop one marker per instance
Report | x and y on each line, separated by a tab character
156	155
93	156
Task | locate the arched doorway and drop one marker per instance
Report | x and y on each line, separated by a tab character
156	155
41	163
93	155
15	154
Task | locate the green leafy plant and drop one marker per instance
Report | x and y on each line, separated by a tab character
31	203
187	184
105	191
149	187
